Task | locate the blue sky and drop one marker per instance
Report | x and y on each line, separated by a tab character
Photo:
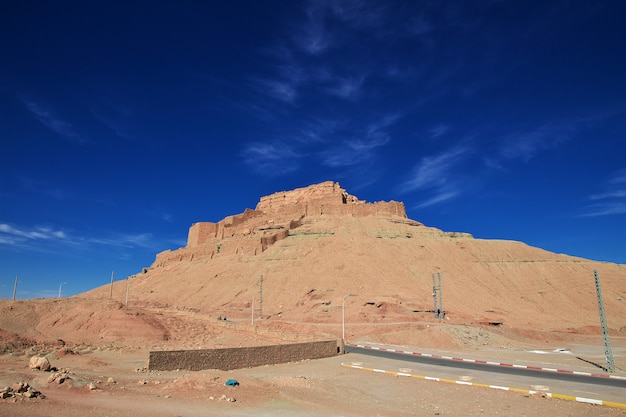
122	123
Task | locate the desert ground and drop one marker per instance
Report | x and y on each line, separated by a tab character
300	264
105	378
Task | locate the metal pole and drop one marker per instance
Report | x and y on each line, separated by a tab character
435	289
15	287
261	297
441	314
610	365
343	316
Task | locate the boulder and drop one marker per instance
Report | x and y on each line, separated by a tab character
39	362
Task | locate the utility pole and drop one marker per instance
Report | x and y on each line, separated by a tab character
439	314
442	314
15	288
343	317
261	297
60	285
111	288
610	365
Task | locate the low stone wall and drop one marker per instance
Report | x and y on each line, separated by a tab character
244	357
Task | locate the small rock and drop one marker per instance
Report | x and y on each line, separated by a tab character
18	387
58	377
92	386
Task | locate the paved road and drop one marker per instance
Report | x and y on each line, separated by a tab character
606	389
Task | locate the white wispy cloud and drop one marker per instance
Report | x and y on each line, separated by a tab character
272	159
118	127
441	196
302	67
51	121
312	37
287	76
438	130
435	172
49	239
318	130
360	14
354	151
38	232
360	147
438	177
612	201
141	240
525	145
383	123
283	90
347	88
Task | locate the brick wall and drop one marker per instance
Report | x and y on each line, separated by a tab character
236	358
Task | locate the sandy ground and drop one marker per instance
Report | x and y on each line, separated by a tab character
107	371
114	381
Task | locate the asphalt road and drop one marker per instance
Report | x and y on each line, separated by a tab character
606	389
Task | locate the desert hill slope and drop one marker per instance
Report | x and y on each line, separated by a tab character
290	264
315	245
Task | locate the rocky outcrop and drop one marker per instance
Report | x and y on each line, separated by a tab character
253	231
324	198
20	390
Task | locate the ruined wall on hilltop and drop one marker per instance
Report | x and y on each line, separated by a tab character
253	231
240	224
278	210
324	198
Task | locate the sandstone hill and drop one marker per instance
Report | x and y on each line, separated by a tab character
290	264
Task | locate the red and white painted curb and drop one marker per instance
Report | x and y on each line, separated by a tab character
483	362
519	390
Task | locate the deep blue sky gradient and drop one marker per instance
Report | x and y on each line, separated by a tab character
122	123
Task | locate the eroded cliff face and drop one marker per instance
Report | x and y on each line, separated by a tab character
253	231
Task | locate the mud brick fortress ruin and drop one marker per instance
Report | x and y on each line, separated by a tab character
253	231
